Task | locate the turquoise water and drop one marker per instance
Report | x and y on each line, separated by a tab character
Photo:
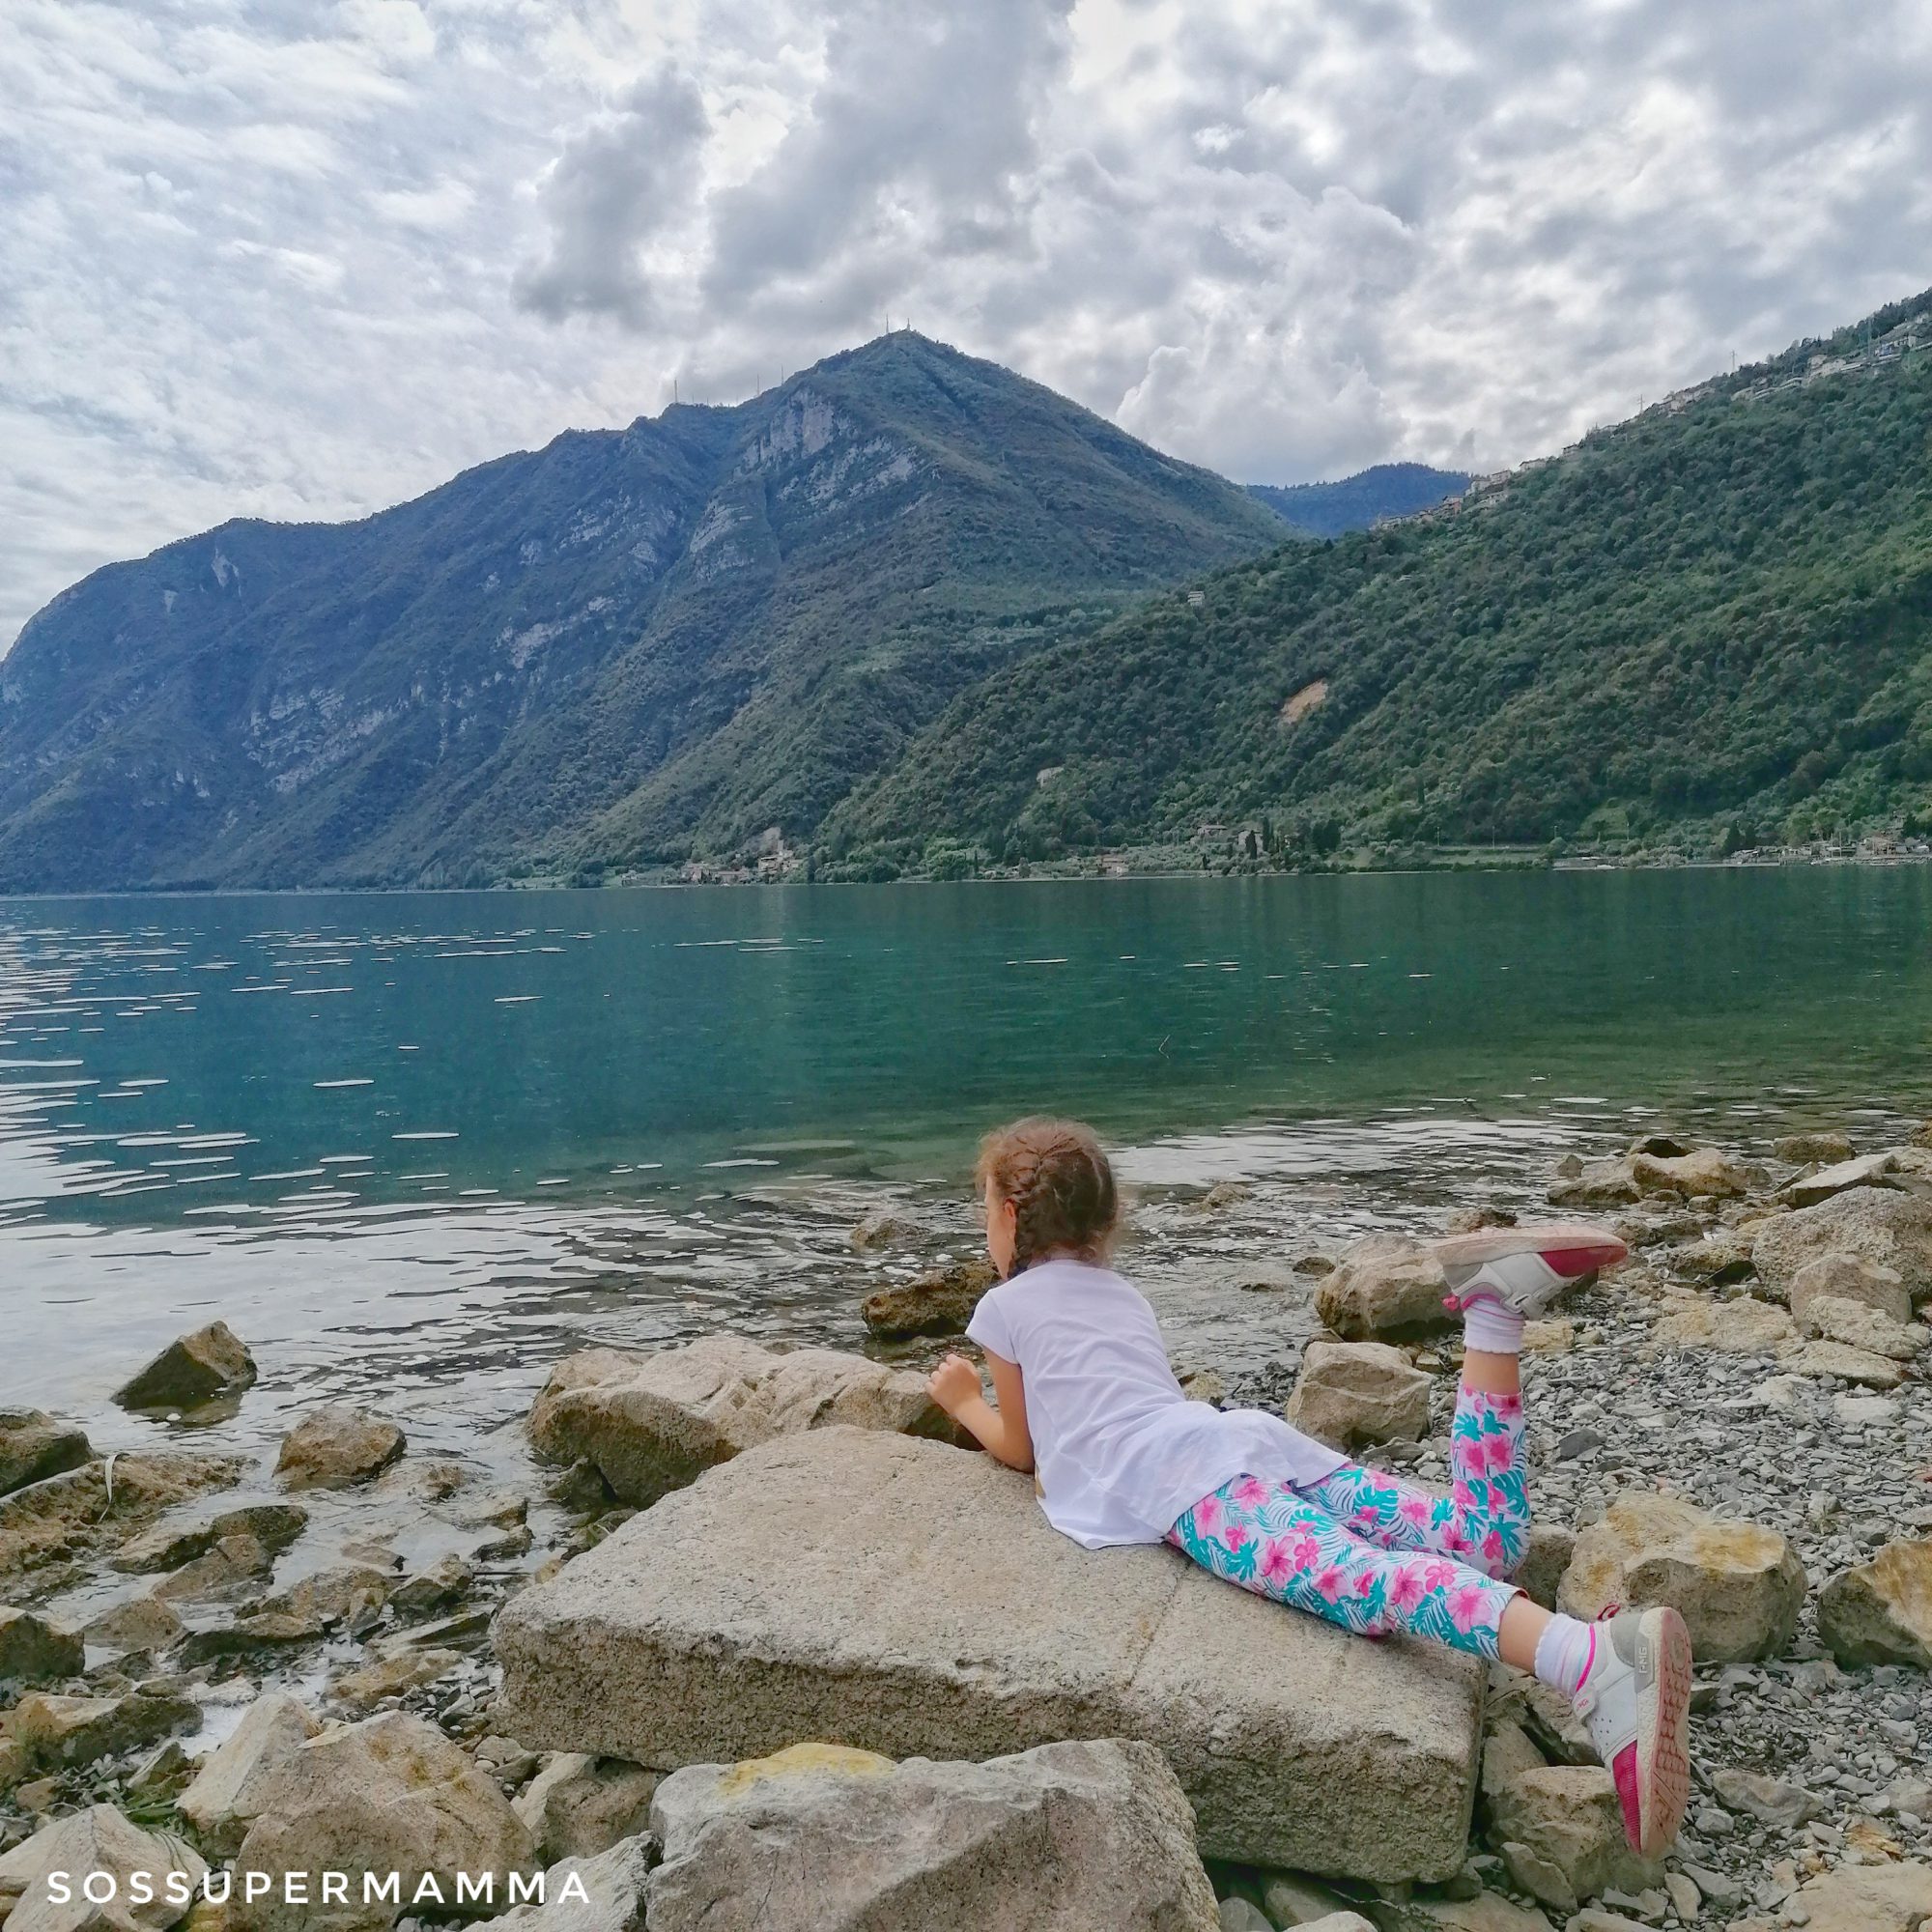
434	1134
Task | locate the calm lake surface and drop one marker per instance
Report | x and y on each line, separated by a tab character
413	1146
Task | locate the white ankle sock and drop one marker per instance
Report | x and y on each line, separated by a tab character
1565	1653
1490	1328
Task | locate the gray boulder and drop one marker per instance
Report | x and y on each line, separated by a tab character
1850	1277
98	1840
1738	1586
336	1445
1353	1395
389	1795
1854	1325
193	1369
818	1838
650	1424
1881	1612
1384	1286
33	1445
924	1608
1892	1230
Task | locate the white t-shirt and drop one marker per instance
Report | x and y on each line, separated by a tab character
1119	1452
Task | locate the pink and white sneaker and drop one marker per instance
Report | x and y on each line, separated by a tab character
1636	1698
1524	1268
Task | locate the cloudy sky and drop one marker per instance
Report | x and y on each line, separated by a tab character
306	257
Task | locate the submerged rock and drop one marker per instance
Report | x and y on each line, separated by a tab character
650	1424
335	1446
1739	1585
98	1839
1801	1149
1384	1284
1301	1747
77	1512
169	1545
819	1838
940	1303
33	1445
1881	1612
193	1369
1353	1395
388	1795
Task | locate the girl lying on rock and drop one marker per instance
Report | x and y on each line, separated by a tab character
1088	1401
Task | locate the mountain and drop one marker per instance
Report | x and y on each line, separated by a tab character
1717	617
1362	500
621	650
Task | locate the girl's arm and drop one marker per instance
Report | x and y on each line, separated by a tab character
1001	1432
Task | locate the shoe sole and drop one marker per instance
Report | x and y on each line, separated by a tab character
1570	1247
1662	1662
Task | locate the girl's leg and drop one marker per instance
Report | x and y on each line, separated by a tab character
1279	1542
1484	1520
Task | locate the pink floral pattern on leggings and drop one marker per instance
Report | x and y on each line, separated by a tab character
1375	1554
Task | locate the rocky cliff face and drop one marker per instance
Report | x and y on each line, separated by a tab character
628	646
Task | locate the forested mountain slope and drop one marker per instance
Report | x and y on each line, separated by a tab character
621	648
1721	609
1357	502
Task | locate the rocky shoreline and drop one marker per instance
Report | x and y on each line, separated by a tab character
369	1659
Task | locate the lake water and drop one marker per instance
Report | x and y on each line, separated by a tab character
413	1146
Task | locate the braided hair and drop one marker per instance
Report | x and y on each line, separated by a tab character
1061	1185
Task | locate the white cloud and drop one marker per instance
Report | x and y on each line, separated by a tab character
304	259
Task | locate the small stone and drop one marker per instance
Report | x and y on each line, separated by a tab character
1862	1171
35	1651
1833	1319
391	1676
1739	1585
939	1304
1353	1395
195	1369
1745	1327
55	1731
224	1798
168	1545
577	1806
1384	1287
1785	1805
33	1445
883	1230
1833	1359
142	1623
1801	1149
1686	1900
447	1582
1293	1901
1881	1612
336	1445
98	1839
1578	1442
233	1561
1238	1915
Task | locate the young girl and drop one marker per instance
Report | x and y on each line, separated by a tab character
1086	1400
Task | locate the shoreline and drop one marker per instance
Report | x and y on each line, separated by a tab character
1234	1265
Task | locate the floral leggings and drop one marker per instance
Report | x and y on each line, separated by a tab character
1377	1554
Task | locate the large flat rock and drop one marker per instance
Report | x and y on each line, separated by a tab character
908	1598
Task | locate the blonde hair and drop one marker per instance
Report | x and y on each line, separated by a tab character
1061	1185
